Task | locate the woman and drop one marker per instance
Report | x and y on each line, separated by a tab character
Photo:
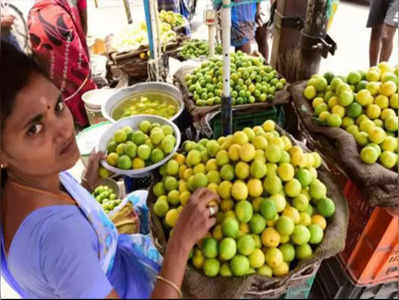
58	30
56	241
383	20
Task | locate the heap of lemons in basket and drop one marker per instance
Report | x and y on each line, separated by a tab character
366	105
274	209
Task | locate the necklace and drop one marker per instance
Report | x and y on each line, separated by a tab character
64	195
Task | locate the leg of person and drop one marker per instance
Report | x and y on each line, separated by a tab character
261	40
375	44
387	42
391	23
375	21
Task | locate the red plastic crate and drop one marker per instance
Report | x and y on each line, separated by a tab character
371	254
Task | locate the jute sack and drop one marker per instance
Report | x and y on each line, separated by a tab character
380	184
197	285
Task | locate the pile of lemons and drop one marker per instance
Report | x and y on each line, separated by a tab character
273	211
366	105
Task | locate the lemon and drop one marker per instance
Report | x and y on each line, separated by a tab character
382	101
257	224
319	220
244	211
226	204
317	190
388	88
257	259
224	189
242	170
305	219
390	144
222	157
300	235
227	249
198	259
247	152
316	234
377	135
187	173
184	197
292	213
200	168
269	125
386	113
293	188
230	227
373	111
303	251
260	155
138	163
309	92
317	101
243	229
332	101
270	237
279	201
239	265
260	142
240	138
211	267
234	152
285	225
288	251
161	207
265	271
324	115
182	186
225	270
273	184
338	110
274	257
171	217
300	202
255	188
211	165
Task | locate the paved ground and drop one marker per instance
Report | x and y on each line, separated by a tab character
348	31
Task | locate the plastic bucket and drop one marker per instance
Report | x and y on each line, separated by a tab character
93	101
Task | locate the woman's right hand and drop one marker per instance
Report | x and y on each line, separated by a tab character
195	220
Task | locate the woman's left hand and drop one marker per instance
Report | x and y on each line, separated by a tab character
90	178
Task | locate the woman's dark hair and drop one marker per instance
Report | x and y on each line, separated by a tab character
15	70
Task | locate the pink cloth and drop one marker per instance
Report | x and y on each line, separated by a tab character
59	43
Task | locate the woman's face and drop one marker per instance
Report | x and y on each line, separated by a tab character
38	136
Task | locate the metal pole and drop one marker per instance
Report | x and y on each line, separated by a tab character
226	111
126	5
147	11
157	42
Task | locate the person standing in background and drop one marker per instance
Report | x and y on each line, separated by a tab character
58	30
383	20
6	23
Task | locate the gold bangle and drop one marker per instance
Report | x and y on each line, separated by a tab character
170	283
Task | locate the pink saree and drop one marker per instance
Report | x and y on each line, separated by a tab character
59	43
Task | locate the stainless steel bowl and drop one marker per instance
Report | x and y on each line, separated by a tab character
122	95
134	122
